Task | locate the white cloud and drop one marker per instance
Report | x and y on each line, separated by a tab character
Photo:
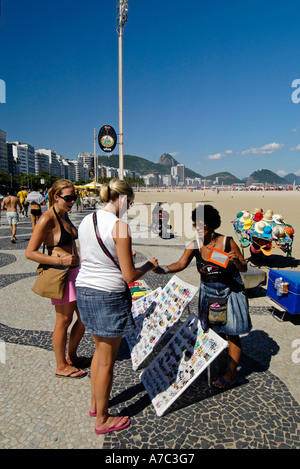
175	153
217	156
282	173
267	149
296	148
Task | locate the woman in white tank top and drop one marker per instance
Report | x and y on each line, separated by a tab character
102	293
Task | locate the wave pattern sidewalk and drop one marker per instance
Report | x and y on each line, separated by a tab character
40	411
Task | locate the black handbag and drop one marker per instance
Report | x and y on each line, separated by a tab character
106	251
217	311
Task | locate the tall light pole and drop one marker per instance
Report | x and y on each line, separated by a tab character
95	157
122	9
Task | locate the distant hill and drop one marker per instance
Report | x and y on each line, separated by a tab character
166	161
144	166
227	178
292	178
265	176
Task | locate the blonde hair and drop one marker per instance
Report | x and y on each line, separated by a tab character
57	189
113	190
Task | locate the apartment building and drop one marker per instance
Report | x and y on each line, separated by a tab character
178	174
21	158
54	164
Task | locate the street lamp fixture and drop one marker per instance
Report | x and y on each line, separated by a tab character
122	9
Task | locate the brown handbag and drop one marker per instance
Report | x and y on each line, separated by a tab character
51	282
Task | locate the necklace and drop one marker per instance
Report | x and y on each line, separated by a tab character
212	242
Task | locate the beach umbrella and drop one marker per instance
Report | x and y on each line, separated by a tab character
35	197
93	185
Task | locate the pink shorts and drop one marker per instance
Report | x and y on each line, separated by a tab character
70	291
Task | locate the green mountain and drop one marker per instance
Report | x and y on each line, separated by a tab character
142	165
265	176
166	161
227	178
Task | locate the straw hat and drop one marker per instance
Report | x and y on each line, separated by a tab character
259	226
264	229
278	232
278	219
246	216
258	216
258	210
268	216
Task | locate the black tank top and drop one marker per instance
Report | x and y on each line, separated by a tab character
211	272
65	237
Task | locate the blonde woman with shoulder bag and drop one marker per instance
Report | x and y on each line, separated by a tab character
55	230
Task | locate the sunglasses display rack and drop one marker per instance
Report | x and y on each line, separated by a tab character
141	305
164	311
180	362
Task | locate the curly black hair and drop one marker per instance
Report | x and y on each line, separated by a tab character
207	214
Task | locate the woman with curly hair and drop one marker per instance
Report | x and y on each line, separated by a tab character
219	286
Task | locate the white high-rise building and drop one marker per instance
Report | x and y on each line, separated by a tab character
41	162
64	167
23	156
77	170
178	173
54	164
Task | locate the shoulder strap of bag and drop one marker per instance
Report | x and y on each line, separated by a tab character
104	248
227	245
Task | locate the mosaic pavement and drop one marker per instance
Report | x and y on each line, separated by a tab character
259	413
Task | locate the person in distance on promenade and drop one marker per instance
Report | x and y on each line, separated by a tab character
218	282
22	194
56	231
11	204
104	301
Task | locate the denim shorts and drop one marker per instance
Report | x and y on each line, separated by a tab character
103	313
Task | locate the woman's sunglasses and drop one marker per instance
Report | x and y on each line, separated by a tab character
68	198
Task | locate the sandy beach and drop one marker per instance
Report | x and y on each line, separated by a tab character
181	202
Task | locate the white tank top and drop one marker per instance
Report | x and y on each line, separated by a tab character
97	270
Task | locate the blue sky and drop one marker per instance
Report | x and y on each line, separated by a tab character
208	82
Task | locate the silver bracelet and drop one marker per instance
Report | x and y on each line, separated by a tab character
165	268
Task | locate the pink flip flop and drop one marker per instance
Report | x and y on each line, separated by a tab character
114	427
